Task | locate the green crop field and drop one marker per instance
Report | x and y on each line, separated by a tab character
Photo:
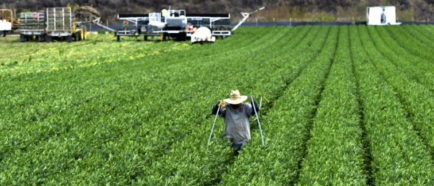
342	105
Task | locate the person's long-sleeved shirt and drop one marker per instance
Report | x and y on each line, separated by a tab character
237	128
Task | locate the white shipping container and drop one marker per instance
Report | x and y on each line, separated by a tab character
381	15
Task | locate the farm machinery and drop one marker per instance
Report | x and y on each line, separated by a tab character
52	23
8	22
178	24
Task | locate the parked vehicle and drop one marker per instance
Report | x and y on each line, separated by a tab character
51	24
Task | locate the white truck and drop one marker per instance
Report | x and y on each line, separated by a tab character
5	27
6	21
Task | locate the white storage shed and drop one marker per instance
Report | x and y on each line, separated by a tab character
381	15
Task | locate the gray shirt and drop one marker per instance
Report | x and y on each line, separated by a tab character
237	128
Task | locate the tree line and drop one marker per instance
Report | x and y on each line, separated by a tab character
325	10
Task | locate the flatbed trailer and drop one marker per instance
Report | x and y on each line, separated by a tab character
172	24
51	24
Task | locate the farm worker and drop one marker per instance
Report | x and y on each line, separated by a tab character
236	115
125	24
164	13
383	17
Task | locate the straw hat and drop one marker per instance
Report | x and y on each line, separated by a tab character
235	98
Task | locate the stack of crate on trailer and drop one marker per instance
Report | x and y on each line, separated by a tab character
53	23
59	23
32	26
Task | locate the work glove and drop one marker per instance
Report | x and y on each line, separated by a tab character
220	103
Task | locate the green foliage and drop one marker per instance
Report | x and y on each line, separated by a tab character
335	154
394	141
103	32
343	105
289	121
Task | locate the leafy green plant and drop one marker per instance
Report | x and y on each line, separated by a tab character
345	105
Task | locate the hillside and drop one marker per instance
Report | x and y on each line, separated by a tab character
312	10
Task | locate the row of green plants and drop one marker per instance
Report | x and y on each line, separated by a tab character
429	29
413	67
160	135
33	86
18	100
416	99
181	127
24	105
61	97
374	172
426	30
335	152
288	126
11	46
338	109
82	55
399	156
416	32
190	160
413	46
149	86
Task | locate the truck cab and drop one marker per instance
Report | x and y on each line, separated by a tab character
174	19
